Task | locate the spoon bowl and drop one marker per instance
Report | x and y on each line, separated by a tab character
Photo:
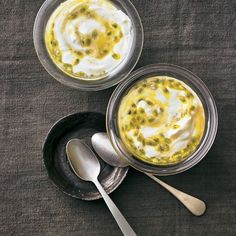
82	160
107	152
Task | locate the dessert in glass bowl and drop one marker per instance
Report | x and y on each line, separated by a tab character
162	119
88	44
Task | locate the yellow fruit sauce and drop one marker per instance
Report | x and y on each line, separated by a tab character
161	120
87	39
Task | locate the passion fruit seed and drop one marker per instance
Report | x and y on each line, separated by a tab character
105	51
54	43
189	94
165	90
161	149
151	143
176	156
88	42
58	53
194	140
134	147
157	140
182	99
140	90
135	133
126	127
149	103
166	147
90	14
176	126
68	67
140	138
186	151
142	122
88	52
94	34
114	25
143	142
79	53
132	125
116	56
141	110
77	61
167	140
83	9
73	16
81	74
130	140
151	120
82	42
155	113
116	39
141	151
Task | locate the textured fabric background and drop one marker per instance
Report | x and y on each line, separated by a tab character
199	35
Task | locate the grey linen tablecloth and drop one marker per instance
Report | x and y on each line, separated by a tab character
199	35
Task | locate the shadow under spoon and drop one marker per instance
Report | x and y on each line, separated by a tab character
104	149
86	166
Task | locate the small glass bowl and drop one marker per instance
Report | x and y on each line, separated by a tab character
109	80
201	90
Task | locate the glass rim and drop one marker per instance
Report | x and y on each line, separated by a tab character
109	80
210	113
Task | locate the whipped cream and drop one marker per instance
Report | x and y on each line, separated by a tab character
88	39
161	120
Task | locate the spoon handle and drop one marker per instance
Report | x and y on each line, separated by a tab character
120	219
194	205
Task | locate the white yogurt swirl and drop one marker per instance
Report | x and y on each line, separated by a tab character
88	39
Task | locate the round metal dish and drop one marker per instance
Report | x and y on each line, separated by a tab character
82	126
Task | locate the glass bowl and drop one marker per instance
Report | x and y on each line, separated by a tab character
109	80
201	90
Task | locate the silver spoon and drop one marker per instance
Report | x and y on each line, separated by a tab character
85	164
104	149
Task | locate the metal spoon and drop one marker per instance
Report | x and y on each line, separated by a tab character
104	149
85	164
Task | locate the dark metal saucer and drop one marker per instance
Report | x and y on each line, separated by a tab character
82	126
